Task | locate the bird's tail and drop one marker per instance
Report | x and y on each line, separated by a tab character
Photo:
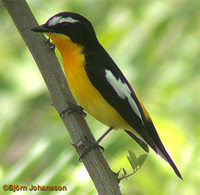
155	143
159	147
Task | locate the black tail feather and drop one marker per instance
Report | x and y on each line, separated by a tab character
164	154
140	142
160	149
158	146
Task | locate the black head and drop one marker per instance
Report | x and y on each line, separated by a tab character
78	28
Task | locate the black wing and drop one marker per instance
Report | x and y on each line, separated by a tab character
98	61
97	64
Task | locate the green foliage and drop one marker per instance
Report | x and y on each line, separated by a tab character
141	159
136	162
133	160
156	45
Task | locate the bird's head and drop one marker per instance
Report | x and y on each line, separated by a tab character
70	25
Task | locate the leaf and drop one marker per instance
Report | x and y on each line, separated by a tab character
132	159
141	159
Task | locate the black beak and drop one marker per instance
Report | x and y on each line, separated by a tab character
41	29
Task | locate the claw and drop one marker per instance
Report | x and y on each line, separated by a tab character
73	108
89	148
94	144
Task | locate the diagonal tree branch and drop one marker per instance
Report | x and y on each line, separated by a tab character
103	178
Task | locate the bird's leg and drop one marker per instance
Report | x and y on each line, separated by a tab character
95	144
73	108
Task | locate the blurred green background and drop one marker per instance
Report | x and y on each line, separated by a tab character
157	46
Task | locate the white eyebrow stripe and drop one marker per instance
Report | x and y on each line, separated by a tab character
59	19
122	91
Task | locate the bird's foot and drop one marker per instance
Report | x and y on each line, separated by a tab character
94	144
73	108
86	145
90	147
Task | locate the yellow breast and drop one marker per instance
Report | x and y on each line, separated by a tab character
81	87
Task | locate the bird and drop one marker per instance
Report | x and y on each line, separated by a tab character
98	84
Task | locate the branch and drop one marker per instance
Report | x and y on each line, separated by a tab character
103	178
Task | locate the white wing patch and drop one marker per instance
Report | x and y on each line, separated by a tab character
123	91
59	19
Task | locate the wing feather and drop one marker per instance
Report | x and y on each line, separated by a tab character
119	94
96	68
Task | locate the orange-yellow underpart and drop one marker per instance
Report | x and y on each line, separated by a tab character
81	87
